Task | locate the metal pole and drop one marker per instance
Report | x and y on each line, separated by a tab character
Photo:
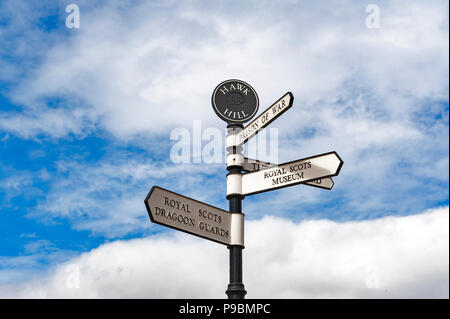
236	288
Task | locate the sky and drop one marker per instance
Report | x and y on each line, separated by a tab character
87	122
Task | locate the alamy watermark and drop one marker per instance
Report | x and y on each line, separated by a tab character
73	19
206	145
373	19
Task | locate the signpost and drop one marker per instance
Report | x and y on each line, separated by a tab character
236	102
251	165
291	173
191	216
268	116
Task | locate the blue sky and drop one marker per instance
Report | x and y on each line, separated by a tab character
86	116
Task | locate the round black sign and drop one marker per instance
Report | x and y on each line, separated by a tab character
235	101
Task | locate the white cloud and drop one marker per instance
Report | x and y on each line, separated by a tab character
391	257
31	264
142	68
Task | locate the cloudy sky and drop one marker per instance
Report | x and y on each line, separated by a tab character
86	117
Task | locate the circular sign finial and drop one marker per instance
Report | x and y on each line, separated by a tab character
235	101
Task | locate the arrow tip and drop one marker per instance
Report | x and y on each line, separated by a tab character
291	98
341	162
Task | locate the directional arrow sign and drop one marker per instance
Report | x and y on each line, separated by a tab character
191	216
326	183
265	118
292	173
252	165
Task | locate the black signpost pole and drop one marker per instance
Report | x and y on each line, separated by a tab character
236	288
235	102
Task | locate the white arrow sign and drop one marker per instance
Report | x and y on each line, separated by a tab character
189	215
292	173
265	118
252	165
